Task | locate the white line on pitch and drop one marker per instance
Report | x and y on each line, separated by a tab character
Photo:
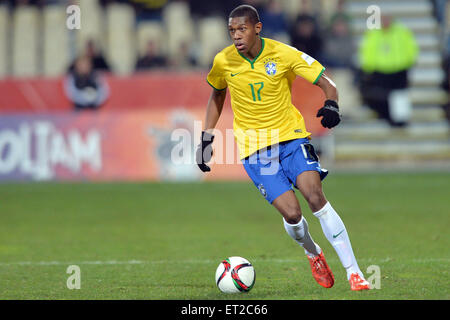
206	261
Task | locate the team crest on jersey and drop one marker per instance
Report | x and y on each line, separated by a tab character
271	68
262	190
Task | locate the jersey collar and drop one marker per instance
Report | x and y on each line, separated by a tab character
257	56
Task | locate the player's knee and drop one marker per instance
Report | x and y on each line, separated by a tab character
293	216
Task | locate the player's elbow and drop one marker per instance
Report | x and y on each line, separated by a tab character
328	87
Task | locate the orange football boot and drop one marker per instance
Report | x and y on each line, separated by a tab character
357	283
320	270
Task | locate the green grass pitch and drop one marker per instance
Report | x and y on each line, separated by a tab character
164	241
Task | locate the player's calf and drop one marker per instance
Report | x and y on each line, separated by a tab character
310	186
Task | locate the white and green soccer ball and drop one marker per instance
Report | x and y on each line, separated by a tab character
235	274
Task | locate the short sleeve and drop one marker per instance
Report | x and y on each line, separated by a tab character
216	76
305	66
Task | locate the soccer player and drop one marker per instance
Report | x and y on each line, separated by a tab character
271	134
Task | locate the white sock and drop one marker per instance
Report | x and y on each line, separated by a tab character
299	232
335	232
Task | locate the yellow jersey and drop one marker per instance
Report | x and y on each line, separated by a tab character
260	91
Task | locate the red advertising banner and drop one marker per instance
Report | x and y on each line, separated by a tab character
140	145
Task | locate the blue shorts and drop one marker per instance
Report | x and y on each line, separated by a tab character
274	170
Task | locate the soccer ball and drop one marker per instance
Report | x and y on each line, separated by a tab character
235	274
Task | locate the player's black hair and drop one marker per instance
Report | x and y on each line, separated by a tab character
246	10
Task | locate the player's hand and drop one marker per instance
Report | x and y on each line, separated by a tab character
204	151
330	113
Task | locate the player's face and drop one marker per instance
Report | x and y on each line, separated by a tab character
243	33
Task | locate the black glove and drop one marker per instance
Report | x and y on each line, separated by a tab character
204	151
330	113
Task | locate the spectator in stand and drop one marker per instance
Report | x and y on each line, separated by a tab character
98	60
340	12
440	10
274	20
151	59
339	47
305	36
184	58
84	87
386	55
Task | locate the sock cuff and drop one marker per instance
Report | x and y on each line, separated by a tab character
325	209
296	225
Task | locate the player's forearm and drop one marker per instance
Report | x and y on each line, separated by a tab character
328	87
214	109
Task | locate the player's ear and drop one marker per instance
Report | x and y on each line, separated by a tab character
258	28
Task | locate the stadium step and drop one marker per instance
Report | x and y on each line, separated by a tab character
392	150
397	8
434	95
428	113
376	130
428	42
374	141
429	59
426	76
420	114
